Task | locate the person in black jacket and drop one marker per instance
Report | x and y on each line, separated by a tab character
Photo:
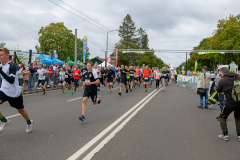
225	85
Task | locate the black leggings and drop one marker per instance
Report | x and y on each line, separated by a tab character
157	83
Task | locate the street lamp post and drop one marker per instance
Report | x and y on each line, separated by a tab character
76	46
106	53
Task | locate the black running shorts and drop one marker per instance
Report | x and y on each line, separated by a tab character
123	80
88	94
110	80
14	102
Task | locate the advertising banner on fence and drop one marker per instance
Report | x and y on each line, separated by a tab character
85	40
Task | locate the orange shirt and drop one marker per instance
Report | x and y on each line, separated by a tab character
146	73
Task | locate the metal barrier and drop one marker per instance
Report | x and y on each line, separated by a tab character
191	81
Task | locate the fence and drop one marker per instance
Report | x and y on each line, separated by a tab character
190	81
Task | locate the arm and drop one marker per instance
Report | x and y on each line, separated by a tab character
220	86
12	73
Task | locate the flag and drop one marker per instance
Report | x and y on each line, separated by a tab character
196	65
85	40
116	57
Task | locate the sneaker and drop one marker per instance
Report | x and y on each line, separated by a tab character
130	90
4	125
225	138
164	89
29	127
109	91
44	91
200	107
82	118
99	99
218	118
238	138
72	92
64	92
120	93
126	90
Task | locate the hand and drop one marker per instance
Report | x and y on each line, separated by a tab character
0	65
83	87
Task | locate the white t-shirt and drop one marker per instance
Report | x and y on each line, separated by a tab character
62	76
11	90
41	72
54	68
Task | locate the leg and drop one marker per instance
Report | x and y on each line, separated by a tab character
24	113
64	85
237	120
223	119
84	102
201	101
206	98
120	87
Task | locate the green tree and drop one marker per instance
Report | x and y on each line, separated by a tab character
2	44
56	38
127	31
142	39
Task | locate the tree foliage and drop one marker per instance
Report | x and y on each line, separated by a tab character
225	37
57	38
2	44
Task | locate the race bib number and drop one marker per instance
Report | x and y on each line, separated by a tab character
146	78
165	75
76	74
99	76
137	75
132	75
41	77
157	78
66	76
87	80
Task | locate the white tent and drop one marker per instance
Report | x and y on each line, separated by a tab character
103	64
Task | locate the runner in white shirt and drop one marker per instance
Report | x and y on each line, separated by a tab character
62	82
10	90
41	77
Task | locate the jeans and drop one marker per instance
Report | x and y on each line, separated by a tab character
30	81
76	83
206	98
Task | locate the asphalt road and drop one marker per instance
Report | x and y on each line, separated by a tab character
164	125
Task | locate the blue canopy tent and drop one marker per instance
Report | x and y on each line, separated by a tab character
45	60
55	60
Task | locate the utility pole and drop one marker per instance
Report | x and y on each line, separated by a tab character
75	46
106	53
186	65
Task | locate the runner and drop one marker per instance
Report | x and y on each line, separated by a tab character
123	79
102	72
157	76
132	78
110	74
76	76
165	74
150	80
105	77
68	75
90	81
146	73
139	72
10	90
62	82
95	69
41	78
128	77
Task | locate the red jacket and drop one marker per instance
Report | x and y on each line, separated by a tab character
51	74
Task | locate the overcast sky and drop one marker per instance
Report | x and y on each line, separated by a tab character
170	25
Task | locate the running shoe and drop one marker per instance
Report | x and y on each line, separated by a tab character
120	93
130	90
29	127
164	89
126	90
72	92
109	91
4	125
99	97
238	138
225	138
64	92
82	118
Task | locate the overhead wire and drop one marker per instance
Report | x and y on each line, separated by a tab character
80	17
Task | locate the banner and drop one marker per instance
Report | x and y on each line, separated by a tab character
85	40
116	57
201	53
134	52
182	68
196	65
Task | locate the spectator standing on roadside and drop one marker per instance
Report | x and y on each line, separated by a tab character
33	71
76	76
225	85
20	75
204	83
26	78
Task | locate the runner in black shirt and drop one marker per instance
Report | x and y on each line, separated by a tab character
132	78
105	78
68	79
90	81
123	79
110	74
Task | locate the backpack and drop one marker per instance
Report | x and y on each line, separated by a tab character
236	90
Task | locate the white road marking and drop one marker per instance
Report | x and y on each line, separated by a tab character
74	99
111	135
105	131
13	116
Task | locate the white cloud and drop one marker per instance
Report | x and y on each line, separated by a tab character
171	24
